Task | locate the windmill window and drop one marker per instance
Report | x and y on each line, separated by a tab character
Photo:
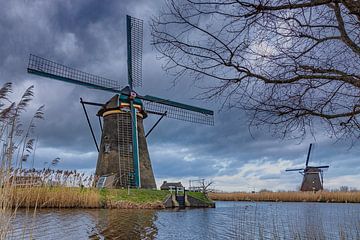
106	148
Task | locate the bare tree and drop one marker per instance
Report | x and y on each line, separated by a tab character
205	186
290	64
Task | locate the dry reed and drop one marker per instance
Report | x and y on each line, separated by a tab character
55	197
74	197
52	177
321	196
16	146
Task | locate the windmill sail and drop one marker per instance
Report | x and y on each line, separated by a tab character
134	28
178	111
308	156
50	69
295	169
325	166
135	47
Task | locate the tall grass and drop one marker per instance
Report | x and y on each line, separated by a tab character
321	196
76	197
56	197
55	177
16	146
48	188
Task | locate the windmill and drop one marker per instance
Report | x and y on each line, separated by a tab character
123	149
312	175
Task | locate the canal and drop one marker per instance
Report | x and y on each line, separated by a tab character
229	220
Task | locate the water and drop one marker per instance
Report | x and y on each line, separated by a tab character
229	220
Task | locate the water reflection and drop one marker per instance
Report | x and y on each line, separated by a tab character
125	224
85	224
229	220
247	220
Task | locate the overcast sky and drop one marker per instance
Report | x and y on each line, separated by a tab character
90	35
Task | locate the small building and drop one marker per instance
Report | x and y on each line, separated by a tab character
171	185
25	181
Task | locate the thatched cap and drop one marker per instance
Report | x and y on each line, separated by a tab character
112	104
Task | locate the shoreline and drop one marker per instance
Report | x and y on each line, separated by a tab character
321	196
93	198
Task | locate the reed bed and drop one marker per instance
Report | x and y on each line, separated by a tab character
55	197
54	177
321	196
17	144
76	197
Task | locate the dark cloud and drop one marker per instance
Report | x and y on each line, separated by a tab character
90	35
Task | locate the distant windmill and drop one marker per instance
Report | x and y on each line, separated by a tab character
313	175
123	149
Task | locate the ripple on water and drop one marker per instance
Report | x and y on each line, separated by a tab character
229	220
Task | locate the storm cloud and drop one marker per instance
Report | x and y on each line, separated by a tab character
90	35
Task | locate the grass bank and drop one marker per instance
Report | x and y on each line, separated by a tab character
67	197
200	196
321	196
133	198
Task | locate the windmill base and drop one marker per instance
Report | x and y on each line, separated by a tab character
311	182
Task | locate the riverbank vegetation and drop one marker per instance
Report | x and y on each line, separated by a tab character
321	196
17	145
75	197
55	197
134	198
81	197
200	196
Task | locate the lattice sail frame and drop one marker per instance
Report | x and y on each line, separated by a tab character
47	68
179	113
135	49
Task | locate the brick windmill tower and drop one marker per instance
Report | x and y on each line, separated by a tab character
123	150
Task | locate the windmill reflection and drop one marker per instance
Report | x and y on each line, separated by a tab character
126	224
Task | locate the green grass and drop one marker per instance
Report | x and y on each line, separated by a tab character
135	196
200	196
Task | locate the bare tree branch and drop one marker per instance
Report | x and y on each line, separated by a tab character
290	64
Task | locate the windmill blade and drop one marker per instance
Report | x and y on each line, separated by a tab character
177	110
308	156
295	169
46	68
325	166
134	50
